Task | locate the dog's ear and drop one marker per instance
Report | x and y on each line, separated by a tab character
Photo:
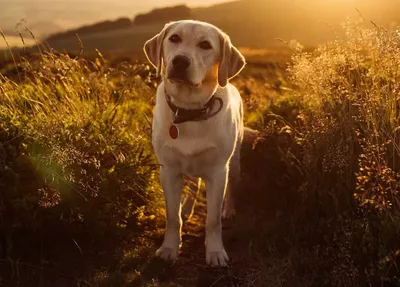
153	48
231	62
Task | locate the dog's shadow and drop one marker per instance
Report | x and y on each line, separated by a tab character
184	274
190	268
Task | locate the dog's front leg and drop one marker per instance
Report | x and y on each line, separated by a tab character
171	182
215	188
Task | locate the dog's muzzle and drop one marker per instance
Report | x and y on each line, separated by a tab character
179	71
181	62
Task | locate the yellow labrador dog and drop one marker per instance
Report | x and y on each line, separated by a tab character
197	125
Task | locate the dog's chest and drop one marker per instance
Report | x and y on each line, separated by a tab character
193	163
198	148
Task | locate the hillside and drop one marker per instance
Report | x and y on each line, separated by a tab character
14	41
46	17
309	22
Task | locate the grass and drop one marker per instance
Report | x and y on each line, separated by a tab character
75	157
336	135
320	197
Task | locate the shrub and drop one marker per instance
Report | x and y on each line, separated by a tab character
75	156
329	159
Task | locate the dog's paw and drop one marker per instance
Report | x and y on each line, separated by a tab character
217	258
228	213
167	253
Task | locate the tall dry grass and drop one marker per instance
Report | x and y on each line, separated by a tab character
352	88
328	167
76	164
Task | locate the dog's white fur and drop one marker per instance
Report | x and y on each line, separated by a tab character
208	149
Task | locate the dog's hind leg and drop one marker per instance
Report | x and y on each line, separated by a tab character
189	203
229	209
234	178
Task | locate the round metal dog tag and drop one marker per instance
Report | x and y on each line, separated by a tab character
173	131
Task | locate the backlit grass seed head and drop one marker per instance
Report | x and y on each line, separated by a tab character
377	184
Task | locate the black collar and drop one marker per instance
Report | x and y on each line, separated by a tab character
185	115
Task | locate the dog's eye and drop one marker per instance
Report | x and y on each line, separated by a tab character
175	38
205	45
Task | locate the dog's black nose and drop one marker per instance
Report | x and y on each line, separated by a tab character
181	62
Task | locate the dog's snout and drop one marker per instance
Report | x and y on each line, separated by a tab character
181	62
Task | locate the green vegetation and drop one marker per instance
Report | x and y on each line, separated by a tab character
80	203
74	160
330	160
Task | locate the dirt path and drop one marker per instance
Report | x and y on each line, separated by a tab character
190	269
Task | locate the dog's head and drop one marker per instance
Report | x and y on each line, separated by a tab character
193	58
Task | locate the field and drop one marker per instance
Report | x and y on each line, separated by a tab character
80	202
